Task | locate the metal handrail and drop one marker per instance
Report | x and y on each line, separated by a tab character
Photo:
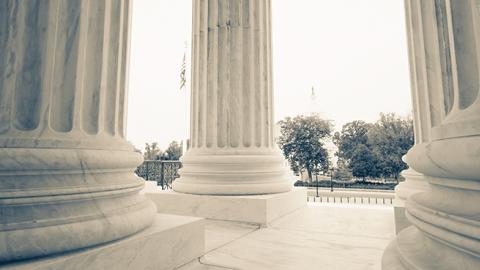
355	197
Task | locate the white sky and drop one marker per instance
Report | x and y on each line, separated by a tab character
352	51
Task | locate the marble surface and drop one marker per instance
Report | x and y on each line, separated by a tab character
220	233
150	186
414	183
446	217
232	148
80	198
170	242
66	170
258	209
413	249
197	265
315	237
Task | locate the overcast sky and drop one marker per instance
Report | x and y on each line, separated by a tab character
352	52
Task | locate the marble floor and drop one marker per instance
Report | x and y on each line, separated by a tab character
319	236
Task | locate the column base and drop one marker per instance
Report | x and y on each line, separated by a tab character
413	249
414	183
240	173
149	249
401	221
79	197
258	209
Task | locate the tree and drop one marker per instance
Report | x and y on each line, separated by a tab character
173	152
352	135
374	150
342	172
302	144
390	138
352	143
152	152
363	162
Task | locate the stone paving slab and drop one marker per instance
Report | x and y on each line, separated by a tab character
315	237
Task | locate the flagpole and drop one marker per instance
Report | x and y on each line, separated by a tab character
186	136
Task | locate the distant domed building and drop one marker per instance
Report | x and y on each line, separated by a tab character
314	107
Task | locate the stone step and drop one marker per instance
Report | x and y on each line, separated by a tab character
256	209
170	242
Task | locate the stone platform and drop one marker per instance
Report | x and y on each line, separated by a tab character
170	242
401	221
257	209
318	236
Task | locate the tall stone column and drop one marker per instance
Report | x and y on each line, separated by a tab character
446	225
232	150
66	170
414	182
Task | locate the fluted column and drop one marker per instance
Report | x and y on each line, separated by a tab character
232	150
419	79
66	170
446	225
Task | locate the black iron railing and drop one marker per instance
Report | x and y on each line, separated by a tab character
351	197
162	171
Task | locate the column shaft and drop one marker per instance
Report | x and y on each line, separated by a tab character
419	81
231	86
232	150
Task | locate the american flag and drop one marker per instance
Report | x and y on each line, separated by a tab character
183	68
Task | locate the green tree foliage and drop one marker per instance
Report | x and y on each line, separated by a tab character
363	162
302	144
152	151
342	172
174	151
390	138
353	135
374	150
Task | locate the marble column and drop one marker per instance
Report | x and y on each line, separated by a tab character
232	150
414	182
66	170
446	225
